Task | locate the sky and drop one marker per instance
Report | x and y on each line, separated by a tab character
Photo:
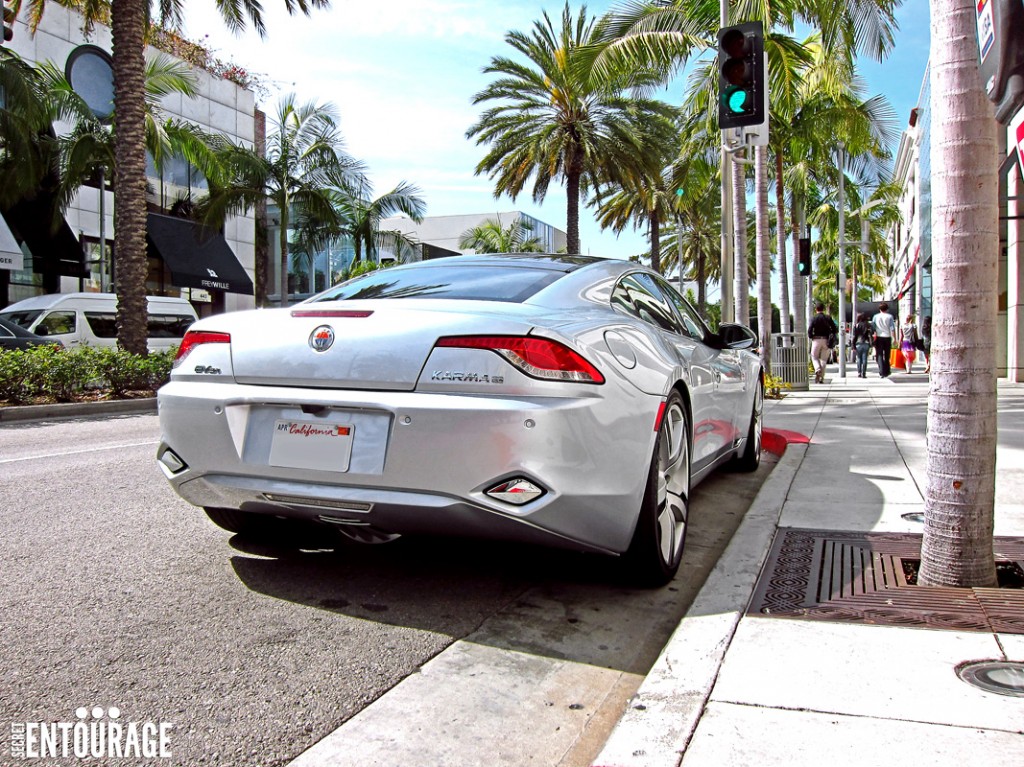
403	73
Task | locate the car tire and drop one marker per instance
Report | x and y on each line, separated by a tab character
656	550
750	458
235	521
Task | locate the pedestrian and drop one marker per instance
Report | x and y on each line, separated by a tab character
926	343
863	337
821	329
885	328
908	342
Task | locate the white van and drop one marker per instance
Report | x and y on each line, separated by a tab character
88	318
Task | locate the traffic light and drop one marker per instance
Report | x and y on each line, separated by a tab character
804	252
742	94
8	24
1001	51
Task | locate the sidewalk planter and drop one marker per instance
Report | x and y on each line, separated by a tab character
789	360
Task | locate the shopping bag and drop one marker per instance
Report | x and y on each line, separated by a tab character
896	359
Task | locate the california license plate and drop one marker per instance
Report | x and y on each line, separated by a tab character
310	445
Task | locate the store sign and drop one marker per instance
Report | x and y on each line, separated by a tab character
10	252
1017	132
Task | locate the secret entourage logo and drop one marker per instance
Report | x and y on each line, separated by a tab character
97	733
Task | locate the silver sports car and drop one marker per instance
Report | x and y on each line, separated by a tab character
563	400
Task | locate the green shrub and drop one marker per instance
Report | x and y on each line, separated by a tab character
773	386
63	375
17	384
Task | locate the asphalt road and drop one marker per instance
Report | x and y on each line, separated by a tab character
116	593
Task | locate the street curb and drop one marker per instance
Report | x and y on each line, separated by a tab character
77	409
661	718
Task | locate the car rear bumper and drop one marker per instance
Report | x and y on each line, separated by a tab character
420	462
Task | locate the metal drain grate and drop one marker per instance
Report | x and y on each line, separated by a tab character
859	577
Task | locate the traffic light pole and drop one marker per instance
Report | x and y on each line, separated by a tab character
728	311
725	280
842	261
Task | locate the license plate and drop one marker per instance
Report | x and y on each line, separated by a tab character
309	445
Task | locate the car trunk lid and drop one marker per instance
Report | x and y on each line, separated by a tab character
379	345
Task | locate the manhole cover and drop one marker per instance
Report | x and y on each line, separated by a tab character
1002	677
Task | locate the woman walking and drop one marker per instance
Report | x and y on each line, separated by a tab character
863	337
908	342
926	338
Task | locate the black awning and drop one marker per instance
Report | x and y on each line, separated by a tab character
198	257
56	249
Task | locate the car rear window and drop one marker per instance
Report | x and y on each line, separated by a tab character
510	283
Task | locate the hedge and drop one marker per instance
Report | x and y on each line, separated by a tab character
52	374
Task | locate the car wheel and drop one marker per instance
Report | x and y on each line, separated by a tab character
750	459
235	521
657	546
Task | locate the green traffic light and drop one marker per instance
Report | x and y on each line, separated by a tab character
737	100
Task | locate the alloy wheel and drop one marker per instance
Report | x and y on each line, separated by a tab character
673	483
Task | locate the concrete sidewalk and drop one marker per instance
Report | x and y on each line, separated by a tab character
736	689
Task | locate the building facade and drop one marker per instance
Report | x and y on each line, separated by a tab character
445	232
909	288
214	270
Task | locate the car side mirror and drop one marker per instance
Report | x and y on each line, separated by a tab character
42	330
736	336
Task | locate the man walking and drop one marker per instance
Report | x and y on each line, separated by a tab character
820	330
885	329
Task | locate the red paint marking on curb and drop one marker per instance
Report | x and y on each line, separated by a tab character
775	440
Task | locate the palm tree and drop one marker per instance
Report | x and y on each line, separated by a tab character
89	146
28	146
665	35
361	215
960	485
128	22
304	154
693	239
552	121
492	237
832	94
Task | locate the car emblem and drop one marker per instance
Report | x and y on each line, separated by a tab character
321	339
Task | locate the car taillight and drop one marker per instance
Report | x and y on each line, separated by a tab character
536	357
194	338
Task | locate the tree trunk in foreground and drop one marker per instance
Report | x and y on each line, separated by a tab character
127	32
960	485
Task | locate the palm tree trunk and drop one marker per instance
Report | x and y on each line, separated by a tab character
741	271
960	485
702	291
572	208
262	244
128	31
282	278
655	243
780	241
764	255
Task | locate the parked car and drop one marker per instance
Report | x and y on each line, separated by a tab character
565	400
16	337
88	318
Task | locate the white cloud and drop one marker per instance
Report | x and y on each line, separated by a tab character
402	74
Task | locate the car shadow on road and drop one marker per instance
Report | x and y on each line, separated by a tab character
552	602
